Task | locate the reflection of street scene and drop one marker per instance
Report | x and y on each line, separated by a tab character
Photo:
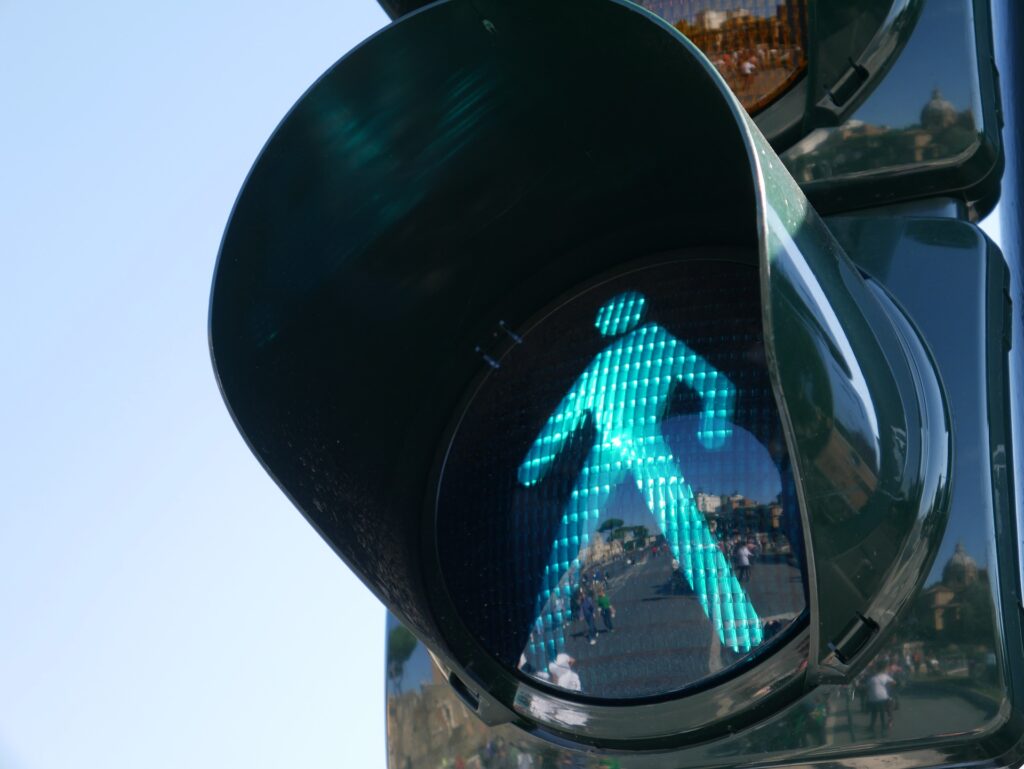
946	649
429	727
938	677
943	133
622	436
625	393
632	623
759	46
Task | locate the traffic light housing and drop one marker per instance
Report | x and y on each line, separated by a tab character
403	233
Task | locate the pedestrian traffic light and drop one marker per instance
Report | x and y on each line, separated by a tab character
525	314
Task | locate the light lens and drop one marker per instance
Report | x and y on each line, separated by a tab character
616	515
758	46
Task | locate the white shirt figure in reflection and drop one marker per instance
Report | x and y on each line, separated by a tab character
625	392
563	674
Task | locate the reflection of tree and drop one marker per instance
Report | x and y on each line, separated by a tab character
631	536
609	524
401	644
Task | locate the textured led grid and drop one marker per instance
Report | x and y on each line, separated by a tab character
567	434
626	391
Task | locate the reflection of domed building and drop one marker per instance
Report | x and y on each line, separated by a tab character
855	147
944	599
938	113
961	570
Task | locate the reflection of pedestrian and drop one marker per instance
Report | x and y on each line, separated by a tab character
771	628
607	610
677	582
587	607
900	677
748	67
744	553
562	673
815	716
880	699
558	608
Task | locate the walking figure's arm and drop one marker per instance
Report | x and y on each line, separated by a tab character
560	425
715	390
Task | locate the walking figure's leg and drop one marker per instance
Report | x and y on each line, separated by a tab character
720	593
596	481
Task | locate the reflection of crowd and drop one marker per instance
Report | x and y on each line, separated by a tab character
749	60
588	600
582	608
740	67
758	529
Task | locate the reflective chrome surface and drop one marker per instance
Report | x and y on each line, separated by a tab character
894	129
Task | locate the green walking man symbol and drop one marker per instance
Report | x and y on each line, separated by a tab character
626	391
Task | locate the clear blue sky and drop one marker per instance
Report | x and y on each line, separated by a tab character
162	604
934	58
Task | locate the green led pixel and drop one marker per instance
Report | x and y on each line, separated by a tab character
622	314
626	391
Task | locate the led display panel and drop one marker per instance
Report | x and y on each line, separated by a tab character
616	514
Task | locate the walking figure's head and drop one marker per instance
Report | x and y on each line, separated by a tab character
621	313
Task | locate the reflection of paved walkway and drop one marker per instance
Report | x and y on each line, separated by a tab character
920	714
663	640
